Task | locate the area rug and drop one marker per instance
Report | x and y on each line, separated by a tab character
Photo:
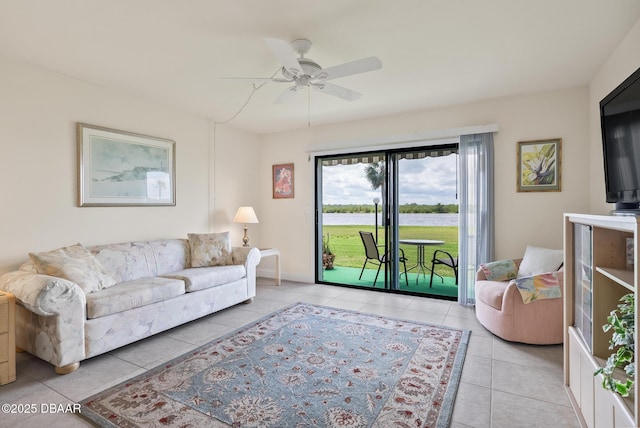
302	366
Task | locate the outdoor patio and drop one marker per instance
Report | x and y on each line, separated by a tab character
349	276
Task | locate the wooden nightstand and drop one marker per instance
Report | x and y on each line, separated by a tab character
7	338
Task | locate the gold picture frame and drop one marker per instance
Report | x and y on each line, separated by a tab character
539	165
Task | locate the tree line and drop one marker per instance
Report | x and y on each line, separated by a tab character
412	208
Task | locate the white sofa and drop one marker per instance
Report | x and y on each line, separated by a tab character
156	288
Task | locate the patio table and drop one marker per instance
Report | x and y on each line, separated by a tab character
420	263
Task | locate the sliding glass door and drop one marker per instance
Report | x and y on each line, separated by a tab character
352	220
427	209
382	215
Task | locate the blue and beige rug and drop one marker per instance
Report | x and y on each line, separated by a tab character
303	366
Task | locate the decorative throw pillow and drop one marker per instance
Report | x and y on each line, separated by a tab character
210	249
76	264
538	287
540	260
500	270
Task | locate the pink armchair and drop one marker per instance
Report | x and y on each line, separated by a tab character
499	308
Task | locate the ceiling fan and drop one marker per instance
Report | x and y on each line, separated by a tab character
305	73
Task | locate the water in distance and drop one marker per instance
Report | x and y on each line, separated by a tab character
344	219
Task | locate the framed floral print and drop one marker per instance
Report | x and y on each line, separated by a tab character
539	165
282	176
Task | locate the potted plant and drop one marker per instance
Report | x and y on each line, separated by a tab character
327	255
621	322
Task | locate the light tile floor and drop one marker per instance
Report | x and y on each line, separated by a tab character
503	384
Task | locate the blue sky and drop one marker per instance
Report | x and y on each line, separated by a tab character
430	181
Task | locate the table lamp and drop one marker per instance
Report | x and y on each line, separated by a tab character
245	215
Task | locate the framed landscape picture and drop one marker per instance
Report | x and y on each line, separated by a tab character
282	176
118	168
539	165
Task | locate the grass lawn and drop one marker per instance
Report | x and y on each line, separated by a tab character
346	244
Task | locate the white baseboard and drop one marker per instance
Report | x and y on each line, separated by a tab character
271	273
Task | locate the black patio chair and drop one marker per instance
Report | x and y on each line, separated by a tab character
443	259
372	255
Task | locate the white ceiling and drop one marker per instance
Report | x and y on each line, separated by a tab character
434	52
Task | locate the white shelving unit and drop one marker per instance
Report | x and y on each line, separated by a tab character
597	275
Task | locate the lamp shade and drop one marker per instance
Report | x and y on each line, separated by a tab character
245	215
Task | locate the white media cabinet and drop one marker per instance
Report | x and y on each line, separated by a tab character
597	274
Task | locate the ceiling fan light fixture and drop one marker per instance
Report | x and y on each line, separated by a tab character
302	81
309	68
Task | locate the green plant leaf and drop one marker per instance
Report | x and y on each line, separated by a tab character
621	322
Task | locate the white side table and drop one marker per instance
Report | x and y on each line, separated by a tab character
266	252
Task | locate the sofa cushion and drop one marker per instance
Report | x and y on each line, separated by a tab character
210	249
491	293
76	264
206	277
501	270
132	294
128	260
540	260
170	255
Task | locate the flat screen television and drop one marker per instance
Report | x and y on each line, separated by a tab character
620	122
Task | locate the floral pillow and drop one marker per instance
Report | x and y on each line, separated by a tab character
210	249
500	270
76	264
538	287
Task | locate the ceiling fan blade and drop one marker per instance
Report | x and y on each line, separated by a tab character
286	95
255	79
258	79
283	51
353	67
337	91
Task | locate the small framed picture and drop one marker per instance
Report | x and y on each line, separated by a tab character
539	165
283	185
